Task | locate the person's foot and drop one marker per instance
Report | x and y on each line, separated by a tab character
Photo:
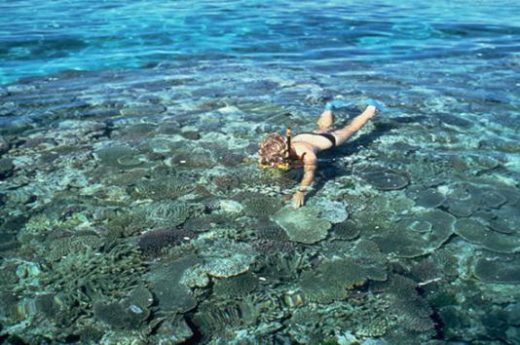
376	104
371	111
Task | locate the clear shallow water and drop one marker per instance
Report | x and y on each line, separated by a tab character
131	206
40	37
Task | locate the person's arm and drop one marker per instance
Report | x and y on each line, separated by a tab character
309	168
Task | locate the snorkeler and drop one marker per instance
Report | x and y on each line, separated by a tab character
301	150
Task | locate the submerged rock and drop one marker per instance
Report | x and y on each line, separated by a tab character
303	224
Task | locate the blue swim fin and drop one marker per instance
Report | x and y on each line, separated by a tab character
336	104
379	105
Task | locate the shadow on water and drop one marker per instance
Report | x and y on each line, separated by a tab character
328	168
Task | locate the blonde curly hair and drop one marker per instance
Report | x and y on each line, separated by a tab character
273	150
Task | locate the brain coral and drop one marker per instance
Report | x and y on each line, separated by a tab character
302	225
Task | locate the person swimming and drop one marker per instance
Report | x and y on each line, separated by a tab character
275	151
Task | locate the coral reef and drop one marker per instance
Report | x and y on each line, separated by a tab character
214	319
499	269
106	274
426	197
165	214
346	230
261	206
235	287
477	233
385	179
270	231
165	281
119	156
6	167
302	225
167	188
132	211
57	248
4	145
224	259
153	242
417	234
120	315
332	211
330	281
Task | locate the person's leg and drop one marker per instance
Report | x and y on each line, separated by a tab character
325	121
357	123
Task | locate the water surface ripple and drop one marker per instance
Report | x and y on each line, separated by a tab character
42	37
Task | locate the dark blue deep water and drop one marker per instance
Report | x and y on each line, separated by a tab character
132	210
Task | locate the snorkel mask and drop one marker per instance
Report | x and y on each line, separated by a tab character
285	165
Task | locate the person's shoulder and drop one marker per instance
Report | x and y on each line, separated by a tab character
310	157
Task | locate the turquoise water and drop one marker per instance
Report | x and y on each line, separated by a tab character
41	37
132	210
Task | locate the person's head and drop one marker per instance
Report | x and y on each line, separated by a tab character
273	151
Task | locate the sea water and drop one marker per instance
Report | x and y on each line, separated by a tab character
132	209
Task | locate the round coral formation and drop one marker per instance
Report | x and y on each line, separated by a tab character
153	242
302	225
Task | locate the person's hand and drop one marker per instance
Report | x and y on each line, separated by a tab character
298	199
